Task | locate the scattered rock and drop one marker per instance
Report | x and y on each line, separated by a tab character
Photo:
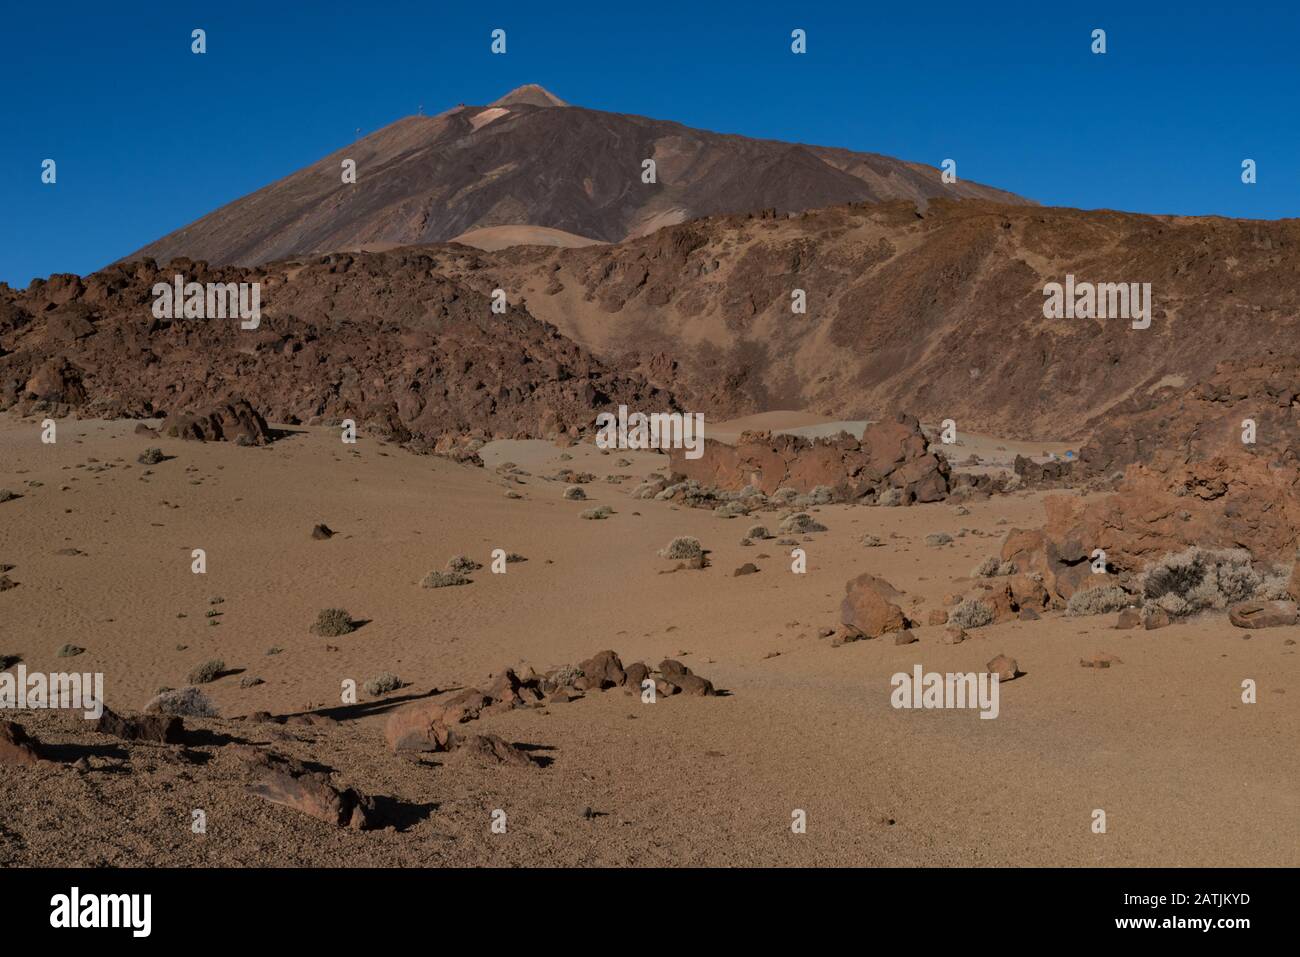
1264	614
160	728
953	635
1100	660
1005	668
870	607
322	532
1129	618
16	746
490	749
289	782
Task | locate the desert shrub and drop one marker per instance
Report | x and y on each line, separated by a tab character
938	538
185	702
971	613
596	514
575	493
1098	601
8	496
890	497
871	541
150	457
463	564
437	579
206	672
332	622
732	509
71	651
565	675
821	495
801	522
987	568
784	496
1202	578
683	547
759	532
382	684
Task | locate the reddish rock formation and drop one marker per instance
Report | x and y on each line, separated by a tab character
870	607
889	455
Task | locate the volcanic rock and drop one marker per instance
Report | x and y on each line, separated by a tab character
162	728
1263	614
870	607
602	670
233	421
1005	668
289	782
16	746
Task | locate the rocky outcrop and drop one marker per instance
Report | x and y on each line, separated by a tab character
379	338
233	421
890	463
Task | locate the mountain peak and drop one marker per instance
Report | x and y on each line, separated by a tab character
530	94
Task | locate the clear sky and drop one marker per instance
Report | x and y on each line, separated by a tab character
148	136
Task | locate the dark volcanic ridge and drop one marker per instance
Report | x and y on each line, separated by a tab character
384	340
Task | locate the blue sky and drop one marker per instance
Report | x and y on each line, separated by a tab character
149	137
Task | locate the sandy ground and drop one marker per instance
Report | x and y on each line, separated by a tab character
1187	774
499	237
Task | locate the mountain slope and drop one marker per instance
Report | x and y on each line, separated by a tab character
939	313
530	159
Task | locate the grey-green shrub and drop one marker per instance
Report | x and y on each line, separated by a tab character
1098	601
382	684
208	671
332	622
971	613
437	579
683	547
